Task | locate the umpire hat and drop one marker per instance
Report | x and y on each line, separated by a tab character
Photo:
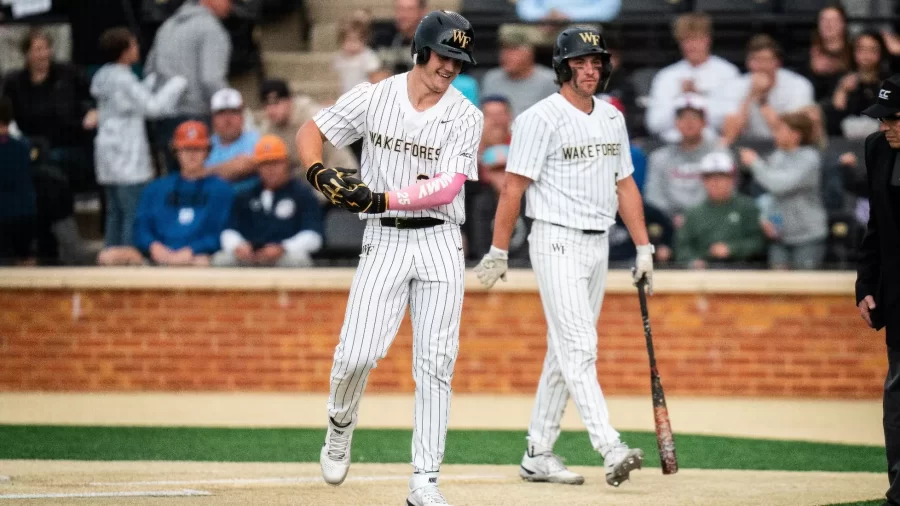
888	102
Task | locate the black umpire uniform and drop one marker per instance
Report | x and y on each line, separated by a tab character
879	266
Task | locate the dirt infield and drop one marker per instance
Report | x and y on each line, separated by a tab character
203	483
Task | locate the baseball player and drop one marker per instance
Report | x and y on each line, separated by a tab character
420	142
570	157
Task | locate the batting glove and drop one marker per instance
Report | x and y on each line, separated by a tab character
492	267
330	181
643	266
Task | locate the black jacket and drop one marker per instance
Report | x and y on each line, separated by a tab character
879	259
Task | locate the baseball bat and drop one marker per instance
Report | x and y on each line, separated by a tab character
664	438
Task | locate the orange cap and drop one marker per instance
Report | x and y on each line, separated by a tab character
270	148
191	134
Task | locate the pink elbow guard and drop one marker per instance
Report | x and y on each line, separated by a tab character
427	194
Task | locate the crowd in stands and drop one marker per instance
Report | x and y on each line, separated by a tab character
736	169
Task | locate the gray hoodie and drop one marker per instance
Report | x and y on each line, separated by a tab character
121	151
673	178
194	44
794	180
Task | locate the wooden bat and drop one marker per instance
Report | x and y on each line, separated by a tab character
664	438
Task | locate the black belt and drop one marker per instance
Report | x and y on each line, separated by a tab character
585	232
411	222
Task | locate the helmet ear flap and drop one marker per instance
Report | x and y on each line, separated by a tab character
420	56
564	71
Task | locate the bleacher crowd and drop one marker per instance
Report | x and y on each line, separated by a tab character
742	163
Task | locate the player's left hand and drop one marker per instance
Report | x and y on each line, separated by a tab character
643	266
358	198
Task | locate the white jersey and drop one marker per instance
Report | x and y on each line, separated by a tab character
575	160
400	144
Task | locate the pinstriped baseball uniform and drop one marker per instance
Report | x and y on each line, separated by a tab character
575	160
423	268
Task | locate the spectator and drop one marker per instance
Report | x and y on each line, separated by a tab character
698	72
572	10
620	89
792	174
231	157
192	43
725	227
180	216
830	54
381	74
765	92
468	86
393	45
355	59
278	222
673	172
859	89
638	156
660	230
121	150
518	78
283	117
482	195
18	207
52	101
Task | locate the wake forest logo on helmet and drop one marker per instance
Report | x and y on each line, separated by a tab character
591	38
461	38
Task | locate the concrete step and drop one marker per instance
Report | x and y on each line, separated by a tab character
326	92
293	66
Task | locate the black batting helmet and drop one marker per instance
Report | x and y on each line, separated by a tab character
574	42
447	34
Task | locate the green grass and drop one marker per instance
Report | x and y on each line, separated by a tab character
393	446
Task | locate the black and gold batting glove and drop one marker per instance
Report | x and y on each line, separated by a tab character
331	181
358	198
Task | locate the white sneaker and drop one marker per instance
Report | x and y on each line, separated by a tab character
619	461
423	491
546	467
335	455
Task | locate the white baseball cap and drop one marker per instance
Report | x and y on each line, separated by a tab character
227	99
717	162
691	101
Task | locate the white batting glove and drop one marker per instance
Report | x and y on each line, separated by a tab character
643	266
492	267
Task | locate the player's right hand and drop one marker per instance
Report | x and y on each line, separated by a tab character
492	267
330	181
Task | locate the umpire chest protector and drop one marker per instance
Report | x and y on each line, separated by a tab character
575	42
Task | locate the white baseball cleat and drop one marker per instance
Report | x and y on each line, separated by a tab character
335	455
619	461
423	491
547	467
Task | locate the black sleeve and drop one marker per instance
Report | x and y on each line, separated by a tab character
869	268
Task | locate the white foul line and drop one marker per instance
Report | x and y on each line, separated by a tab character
149	493
302	479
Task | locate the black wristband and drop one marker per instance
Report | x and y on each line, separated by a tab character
312	172
379	203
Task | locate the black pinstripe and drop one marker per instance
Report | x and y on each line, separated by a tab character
423	268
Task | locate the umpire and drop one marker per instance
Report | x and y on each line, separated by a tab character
878	277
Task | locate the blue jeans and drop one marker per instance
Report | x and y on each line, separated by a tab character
803	256
121	209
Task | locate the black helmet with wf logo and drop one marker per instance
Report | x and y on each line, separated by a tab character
447	34
575	42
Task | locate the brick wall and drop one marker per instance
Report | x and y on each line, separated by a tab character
123	340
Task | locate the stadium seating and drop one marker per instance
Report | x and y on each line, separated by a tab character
733	6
